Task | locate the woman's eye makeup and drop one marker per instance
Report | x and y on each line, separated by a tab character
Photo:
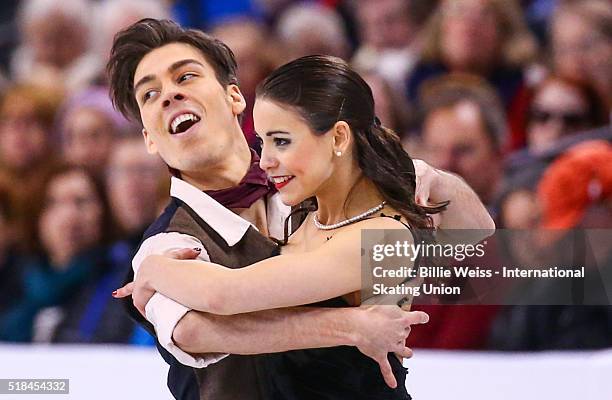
277	141
281	141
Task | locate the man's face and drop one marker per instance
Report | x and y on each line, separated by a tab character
132	184
189	118
455	139
385	24
469	37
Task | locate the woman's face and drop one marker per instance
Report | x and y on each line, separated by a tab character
23	140
558	109
299	162
88	138
469	37
56	39
581	51
72	217
521	210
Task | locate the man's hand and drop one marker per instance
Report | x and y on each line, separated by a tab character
427	178
139	289
465	210
383	329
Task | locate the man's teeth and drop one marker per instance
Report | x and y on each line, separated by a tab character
281	179
182	118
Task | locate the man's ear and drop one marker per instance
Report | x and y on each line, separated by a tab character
236	99
151	147
342	137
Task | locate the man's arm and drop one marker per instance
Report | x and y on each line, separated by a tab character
375	331
292	328
196	339
465	210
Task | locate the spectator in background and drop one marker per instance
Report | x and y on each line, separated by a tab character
26	119
204	14
581	36
488	38
575	193
9	271
8	35
114	15
312	28
67	232
518	204
576	182
390	107
133	183
563	112
88	126
56	44
257	55
562	107
134	180
463	131
389	32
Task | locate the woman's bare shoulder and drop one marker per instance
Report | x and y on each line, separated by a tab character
375	223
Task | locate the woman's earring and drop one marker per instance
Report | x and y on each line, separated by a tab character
338	153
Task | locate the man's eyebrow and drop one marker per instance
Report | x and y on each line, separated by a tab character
180	63
142	81
171	68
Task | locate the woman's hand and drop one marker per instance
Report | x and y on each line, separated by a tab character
141	289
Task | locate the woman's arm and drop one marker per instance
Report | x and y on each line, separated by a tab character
331	270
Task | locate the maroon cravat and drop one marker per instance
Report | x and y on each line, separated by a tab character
253	187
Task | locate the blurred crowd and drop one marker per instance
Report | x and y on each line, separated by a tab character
514	96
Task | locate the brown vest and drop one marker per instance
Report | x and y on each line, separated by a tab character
236	376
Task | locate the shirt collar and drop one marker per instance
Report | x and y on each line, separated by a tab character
227	224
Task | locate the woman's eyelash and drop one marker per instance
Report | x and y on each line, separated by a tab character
281	141
277	141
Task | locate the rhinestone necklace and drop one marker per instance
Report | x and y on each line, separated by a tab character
356	218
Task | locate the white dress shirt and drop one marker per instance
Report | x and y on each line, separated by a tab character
165	313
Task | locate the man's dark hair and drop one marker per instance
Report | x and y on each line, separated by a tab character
133	43
450	90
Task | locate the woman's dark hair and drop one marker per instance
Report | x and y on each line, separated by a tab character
325	90
133	43
596	114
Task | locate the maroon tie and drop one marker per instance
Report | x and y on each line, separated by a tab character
253	187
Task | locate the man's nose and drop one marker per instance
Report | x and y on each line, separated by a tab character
171	97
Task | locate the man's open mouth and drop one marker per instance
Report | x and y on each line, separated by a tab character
182	123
